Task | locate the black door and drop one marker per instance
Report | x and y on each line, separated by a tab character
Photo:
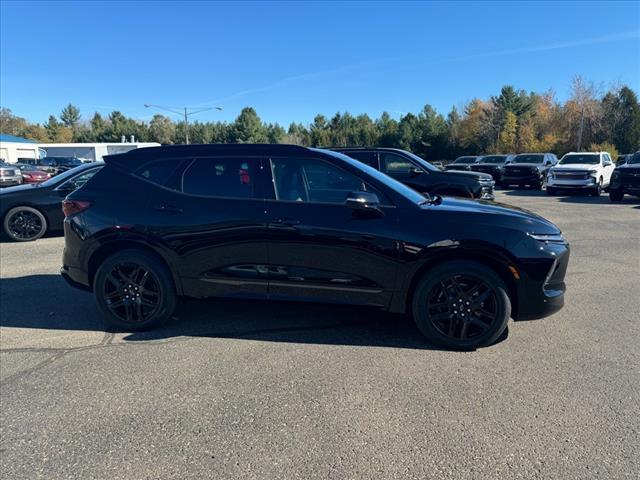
213	221
319	249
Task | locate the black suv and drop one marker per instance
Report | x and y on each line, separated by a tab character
420	175
295	223
528	169
492	164
57	165
626	178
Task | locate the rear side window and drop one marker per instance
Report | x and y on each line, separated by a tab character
162	172
220	177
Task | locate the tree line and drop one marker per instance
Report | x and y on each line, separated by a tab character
513	121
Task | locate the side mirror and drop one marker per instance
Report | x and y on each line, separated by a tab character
364	203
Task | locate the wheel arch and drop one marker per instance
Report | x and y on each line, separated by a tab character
107	249
494	262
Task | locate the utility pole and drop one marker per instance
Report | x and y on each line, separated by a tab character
186	126
186	114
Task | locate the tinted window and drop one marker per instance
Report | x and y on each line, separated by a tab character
526	158
494	159
162	172
310	180
391	163
220	177
368	158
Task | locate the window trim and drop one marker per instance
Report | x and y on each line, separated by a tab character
97	169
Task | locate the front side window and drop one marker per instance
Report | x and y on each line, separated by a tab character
220	177
391	163
311	180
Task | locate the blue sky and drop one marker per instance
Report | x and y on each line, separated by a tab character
293	60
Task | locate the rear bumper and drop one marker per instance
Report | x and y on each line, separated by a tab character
75	278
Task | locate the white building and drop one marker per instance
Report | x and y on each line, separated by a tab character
17	149
91	152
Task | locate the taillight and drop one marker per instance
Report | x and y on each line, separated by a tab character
71	207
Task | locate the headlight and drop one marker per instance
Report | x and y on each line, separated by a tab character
546	238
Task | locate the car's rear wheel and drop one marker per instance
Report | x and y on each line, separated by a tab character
24	224
461	305
616	195
135	290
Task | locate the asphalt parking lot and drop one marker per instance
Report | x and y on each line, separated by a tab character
254	390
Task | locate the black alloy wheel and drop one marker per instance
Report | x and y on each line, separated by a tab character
462	305
24	224
135	290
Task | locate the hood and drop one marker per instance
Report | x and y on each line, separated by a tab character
629	166
577	166
495	214
472	174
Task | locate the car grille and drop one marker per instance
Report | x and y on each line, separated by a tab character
631	178
571	175
518	171
7	173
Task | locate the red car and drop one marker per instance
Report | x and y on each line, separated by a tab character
32	174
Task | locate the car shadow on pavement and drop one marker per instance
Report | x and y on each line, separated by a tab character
47	302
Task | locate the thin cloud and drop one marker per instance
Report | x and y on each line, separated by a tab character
367	64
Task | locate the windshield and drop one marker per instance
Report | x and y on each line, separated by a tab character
398	187
494	159
465	160
635	159
68	174
576	159
527	158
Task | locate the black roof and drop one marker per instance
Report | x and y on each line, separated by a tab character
355	149
209	149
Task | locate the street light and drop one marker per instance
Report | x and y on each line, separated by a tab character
186	112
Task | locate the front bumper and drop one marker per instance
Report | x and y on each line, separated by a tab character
10	181
487	193
541	287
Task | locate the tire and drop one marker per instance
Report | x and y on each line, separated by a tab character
24	224
431	294
616	195
542	185
135	290
551	191
597	190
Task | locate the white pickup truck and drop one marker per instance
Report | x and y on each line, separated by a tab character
581	171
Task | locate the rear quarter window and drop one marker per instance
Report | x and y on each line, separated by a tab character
165	173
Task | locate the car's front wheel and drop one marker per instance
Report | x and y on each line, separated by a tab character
461	305
616	195
24	224
597	190
135	290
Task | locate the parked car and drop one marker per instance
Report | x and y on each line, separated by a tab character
294	223
492	164
528	169
420	175
462	163
622	159
586	171
626	179
31	173
28	211
9	175
57	165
